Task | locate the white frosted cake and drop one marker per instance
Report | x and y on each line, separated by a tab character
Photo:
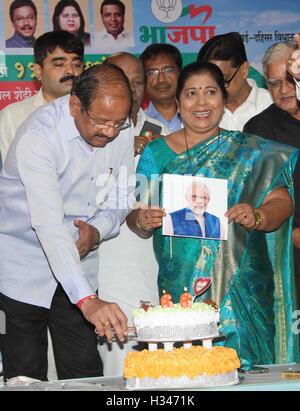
176	323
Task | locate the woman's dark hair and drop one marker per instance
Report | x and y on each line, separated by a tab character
196	68
225	47
16	4
101	76
155	50
48	42
59	8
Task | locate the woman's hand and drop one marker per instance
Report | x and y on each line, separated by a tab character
296	237
150	218
242	214
275	209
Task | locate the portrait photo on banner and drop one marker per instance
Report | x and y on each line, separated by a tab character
71	16
195	206
113	25
23	24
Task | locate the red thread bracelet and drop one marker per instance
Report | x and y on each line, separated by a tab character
89	297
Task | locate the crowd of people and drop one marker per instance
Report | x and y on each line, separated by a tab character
81	200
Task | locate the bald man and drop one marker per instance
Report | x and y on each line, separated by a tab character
133	69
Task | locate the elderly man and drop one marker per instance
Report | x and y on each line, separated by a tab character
58	60
114	34
66	184
194	220
162	64
134	71
23	16
281	121
244	98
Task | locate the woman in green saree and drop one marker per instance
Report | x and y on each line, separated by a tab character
251	272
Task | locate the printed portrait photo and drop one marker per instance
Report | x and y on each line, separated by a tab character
71	16
195	207
23	23
113	23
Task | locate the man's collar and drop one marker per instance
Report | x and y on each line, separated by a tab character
253	96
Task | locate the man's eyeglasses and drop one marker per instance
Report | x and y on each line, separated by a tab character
227	82
168	71
277	83
21	20
118	126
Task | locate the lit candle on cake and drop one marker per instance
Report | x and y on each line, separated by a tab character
166	300
186	299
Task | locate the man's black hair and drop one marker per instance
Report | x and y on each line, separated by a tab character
224	47
16	4
155	50
48	42
113	3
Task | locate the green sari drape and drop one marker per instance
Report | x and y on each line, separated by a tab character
252	272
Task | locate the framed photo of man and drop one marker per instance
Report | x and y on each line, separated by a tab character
24	22
195	207
113	24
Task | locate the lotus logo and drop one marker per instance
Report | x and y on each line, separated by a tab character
167	6
166	11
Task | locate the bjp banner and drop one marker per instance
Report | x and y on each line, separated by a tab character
186	24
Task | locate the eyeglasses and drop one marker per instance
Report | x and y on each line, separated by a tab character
168	71
277	83
119	126
227	82
21	20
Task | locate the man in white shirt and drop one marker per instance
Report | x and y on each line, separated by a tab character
128	268
58	59
162	64
66	184
245	99
114	34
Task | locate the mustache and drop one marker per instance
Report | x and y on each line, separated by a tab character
162	85
27	27
67	78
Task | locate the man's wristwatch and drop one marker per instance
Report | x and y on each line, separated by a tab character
97	243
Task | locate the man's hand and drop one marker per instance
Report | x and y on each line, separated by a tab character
140	143
106	317
88	237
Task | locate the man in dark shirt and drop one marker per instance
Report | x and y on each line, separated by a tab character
281	121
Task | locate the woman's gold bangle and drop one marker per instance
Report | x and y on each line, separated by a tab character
258	220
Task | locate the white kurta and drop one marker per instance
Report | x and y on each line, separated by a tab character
127	274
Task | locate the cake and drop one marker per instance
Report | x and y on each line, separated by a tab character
176	323
186	366
181	367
